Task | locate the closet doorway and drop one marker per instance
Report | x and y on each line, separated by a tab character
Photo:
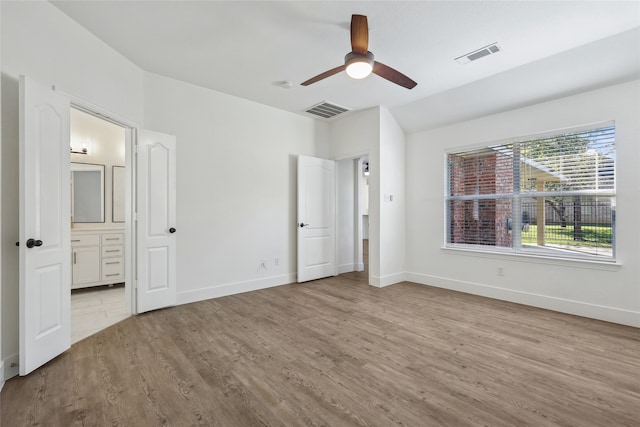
98	227
353	216
362	237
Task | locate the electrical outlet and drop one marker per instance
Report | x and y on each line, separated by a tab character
500	271
276	261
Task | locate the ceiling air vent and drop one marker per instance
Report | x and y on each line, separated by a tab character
326	110
479	53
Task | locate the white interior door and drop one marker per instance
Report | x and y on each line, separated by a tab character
45	247
156	226
316	218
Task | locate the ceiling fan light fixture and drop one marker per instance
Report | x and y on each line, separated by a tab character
359	70
358	65
359	62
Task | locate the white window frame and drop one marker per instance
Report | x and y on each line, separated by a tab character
516	249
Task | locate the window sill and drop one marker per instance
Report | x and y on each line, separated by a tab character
608	265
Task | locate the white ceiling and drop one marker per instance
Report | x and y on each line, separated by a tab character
246	48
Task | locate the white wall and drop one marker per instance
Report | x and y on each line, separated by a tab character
40	41
375	132
48	46
358	135
595	290
346	208
236	163
392	197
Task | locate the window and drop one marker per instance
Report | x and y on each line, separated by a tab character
550	195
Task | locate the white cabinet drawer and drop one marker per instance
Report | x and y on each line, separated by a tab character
113	239
85	239
112	251
112	269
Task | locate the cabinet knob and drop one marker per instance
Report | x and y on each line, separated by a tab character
172	230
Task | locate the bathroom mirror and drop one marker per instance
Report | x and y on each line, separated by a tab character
117	203
87	192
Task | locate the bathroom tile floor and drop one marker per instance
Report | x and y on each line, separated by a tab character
94	309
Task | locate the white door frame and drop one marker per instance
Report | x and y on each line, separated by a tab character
130	190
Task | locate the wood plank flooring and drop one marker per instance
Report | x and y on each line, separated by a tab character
337	352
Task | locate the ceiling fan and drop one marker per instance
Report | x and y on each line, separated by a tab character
359	63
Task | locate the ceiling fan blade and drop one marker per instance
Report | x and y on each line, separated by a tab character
392	75
359	34
324	75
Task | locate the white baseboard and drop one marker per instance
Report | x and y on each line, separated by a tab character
390	279
609	314
9	367
346	268
360	266
234	288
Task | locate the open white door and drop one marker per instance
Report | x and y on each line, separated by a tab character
45	246
156	227
316	218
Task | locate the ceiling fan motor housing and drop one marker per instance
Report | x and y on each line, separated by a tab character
353	59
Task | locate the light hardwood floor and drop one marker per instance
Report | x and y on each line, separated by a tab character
337	352
94	309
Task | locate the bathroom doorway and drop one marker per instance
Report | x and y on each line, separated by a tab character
98	256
